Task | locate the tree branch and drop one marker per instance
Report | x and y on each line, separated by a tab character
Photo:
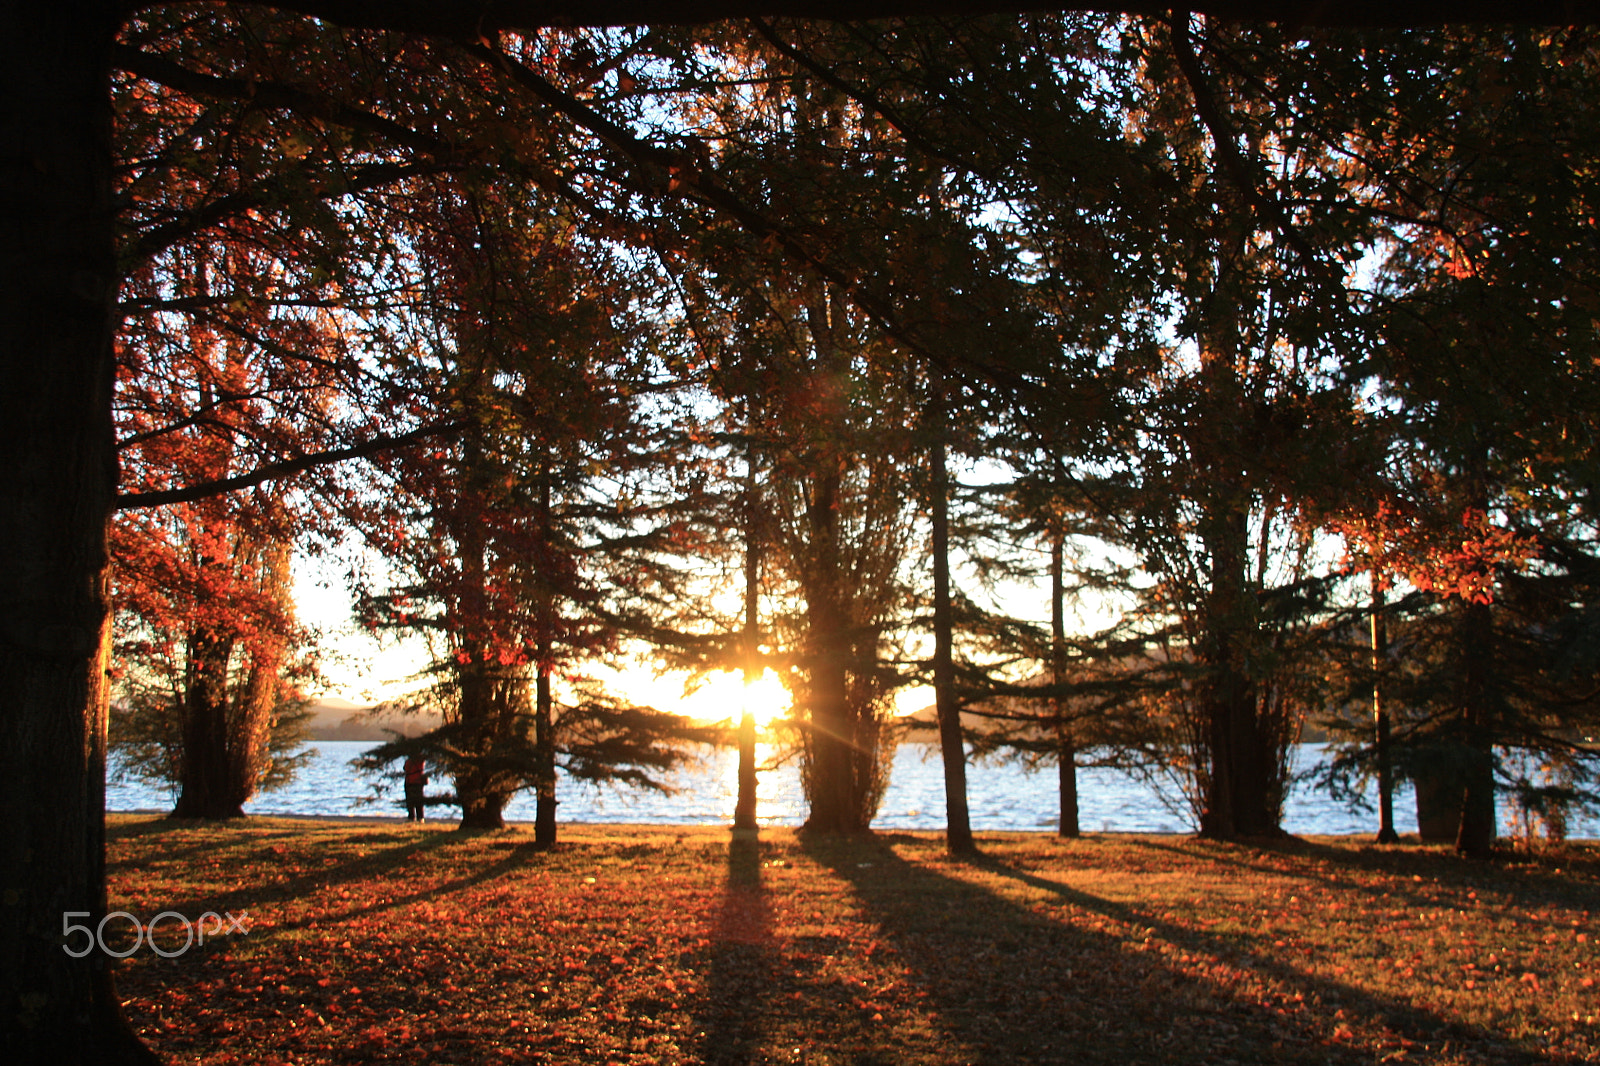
152	242
471	21
271	94
1240	170
286	468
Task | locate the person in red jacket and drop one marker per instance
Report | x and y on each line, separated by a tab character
416	781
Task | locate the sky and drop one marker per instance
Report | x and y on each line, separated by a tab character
364	670
361	668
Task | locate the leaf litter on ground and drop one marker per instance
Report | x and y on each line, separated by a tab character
371	942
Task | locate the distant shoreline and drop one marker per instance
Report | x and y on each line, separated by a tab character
1409	839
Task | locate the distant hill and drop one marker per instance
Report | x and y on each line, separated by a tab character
923	725
337	719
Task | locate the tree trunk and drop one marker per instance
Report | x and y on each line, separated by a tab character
478	790
250	723
544	719
1380	718
227	711
58	287
544	746
206	788
1478	697
952	747
841	755
744	808
829	774
1475	636
1241	798
1438	792
1066	740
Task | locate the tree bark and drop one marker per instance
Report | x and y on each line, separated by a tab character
841	745
1475	637
952	747
744	808
250	724
58	287
482	803
544	717
544	746
205	784
1380	718
830	731
1066	740
1478	675
1240	800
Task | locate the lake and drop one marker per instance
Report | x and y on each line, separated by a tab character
999	796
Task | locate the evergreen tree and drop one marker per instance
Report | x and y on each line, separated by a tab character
521	549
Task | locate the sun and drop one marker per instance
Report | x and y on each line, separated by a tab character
724	695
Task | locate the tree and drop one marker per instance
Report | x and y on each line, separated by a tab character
1486	356
526	548
207	662
246	345
59	276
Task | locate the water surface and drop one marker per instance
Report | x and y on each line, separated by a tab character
999	796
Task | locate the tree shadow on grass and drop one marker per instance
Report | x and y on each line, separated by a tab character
1018	986
1437	875
773	996
306	890
1406	1021
740	964
189	837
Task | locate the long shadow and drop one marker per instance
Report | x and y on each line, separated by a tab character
741	966
201	835
516	856
1016	986
757	974
1405	1020
1439	871
388	862
218	961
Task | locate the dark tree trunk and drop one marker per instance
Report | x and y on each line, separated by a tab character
544	746
479	789
839	759
58	287
1380	718
952	746
830	731
1477	675
1478	697
1066	739
227	707
1242	798
207	786
842	752
1438	791
544	717
744	808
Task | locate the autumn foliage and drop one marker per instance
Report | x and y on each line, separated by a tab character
369	943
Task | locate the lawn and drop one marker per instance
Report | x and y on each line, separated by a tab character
372	942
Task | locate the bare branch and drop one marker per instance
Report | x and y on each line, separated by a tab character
286	468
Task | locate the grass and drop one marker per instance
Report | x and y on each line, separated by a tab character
631	944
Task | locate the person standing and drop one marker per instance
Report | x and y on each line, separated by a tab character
416	780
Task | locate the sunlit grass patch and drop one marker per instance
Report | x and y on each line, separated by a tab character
372	943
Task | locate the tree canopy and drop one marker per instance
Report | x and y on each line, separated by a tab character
1237	283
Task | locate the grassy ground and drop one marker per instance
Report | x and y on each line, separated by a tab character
387	943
